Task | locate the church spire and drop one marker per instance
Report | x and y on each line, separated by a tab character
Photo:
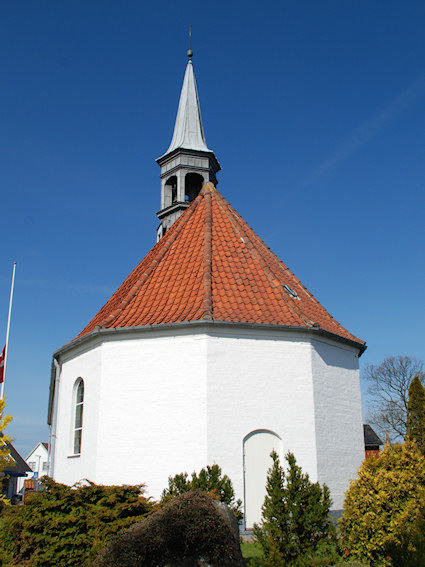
188	129
188	163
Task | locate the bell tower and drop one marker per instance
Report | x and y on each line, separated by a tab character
188	163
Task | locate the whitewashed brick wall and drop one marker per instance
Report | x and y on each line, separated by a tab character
160	403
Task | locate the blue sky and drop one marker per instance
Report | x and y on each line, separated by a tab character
315	111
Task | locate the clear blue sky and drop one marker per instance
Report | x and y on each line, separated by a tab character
315	110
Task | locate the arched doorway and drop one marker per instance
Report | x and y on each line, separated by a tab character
257	447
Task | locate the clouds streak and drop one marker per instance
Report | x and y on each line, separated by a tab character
362	134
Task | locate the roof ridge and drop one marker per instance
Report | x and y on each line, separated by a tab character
163	246
206	193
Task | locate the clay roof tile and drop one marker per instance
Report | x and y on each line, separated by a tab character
211	265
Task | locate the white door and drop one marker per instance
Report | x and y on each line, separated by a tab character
257	448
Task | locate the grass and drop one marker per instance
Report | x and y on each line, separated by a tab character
250	550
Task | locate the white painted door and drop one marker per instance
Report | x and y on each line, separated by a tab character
257	448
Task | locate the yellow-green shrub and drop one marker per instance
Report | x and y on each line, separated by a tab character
63	526
383	504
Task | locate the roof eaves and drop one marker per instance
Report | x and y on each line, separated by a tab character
98	331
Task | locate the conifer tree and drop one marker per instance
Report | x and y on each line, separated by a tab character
210	480
416	414
295	514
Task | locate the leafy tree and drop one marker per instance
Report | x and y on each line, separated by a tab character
5	459
416	414
210	480
67	526
383	505
295	515
189	530
389	393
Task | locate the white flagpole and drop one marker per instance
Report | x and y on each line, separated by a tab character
8	329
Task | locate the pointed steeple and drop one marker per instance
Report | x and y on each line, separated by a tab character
188	163
188	130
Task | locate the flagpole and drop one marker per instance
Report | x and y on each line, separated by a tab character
8	329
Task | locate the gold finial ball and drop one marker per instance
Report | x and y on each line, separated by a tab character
190	53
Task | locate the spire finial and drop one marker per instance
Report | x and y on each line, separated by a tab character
189	51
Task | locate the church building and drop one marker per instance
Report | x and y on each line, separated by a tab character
211	351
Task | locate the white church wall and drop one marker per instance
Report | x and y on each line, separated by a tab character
158	403
152	410
338	415
68	468
147	420
259	381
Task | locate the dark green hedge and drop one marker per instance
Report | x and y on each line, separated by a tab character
185	530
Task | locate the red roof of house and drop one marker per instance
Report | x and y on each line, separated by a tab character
211	265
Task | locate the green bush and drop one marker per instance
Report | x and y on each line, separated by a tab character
351	564
381	522
64	526
209	480
296	522
187	529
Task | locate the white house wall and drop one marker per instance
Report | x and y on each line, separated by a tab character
339	425
39	457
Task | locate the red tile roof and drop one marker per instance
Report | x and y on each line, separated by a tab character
211	265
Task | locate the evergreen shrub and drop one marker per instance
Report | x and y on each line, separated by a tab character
296	528
188	530
67	526
383	520
416	414
210	480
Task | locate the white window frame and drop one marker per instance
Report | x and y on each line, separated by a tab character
77	417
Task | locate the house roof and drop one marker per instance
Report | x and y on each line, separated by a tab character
39	444
20	468
211	266
370	437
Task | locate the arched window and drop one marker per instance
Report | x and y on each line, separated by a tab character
78	421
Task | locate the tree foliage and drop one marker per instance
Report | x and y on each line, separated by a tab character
210	480
188	530
67	526
5	459
295	515
416	414
389	393
382	509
